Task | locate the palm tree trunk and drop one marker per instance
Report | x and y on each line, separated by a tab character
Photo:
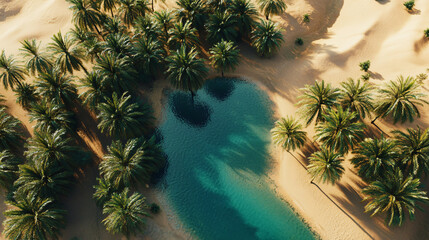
111	12
266	16
222	74
84	69
152	5
302	164
192	96
373	123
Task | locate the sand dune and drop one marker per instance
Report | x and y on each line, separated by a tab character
341	34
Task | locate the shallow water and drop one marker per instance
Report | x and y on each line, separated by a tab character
217	180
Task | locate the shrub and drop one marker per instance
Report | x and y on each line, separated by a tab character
154	208
299	41
409	5
306	18
366	76
426	32
421	77
364	66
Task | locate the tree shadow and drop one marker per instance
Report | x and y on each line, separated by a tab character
219	88
420	44
376	75
382	2
191	112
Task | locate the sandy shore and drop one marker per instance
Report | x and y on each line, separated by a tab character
341	34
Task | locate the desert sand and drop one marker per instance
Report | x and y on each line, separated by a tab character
341	34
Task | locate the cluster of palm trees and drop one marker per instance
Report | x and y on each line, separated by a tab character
392	166
116	43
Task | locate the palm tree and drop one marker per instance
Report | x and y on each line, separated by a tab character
44	181
52	116
126	165
357	97
400	100
103	191
50	148
10	71
117	73
340	131
288	134
56	87
109	5
218	5
31	217
8	169
37	61
147	27
394	195
118	44
26	95
326	166
94	92
374	158
11	132
80	35
245	15
414	148
165	19
224	56
266	38
186	71
221	26
130	10
67	54
183	34
272	7
125	213
93	48
149	54
316	99
121	117
193	11
85	16
114	25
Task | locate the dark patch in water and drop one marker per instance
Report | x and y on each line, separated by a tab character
220	88
194	113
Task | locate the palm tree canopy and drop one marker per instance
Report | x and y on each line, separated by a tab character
11	72
56	87
400	100
125	213
8	169
340	131
130	10
288	134
266	38
103	191
326	166
33	218
414	148
148	27
149	54
164	18
67	54
84	15
51	116
374	158
26	95
316	99
185	70
118	44
134	162
44	181
48	147
183	34
272	7
356	96
221	26
194	11
108	5
114	25
224	56
93	92
245	14
394	195
36	60
121	117
11	132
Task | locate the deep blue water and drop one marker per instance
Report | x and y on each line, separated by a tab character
216	180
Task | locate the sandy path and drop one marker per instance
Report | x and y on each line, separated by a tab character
341	34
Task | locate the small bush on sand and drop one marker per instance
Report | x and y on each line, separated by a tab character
366	76
426	32
409	5
299	41
154	208
364	66
306	18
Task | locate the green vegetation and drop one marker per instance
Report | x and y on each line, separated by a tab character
364	66
306	18
288	134
299	41
267	38
272	7
326	165
426	33
224	56
409	5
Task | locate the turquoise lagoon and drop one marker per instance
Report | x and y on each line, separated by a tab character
216	180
